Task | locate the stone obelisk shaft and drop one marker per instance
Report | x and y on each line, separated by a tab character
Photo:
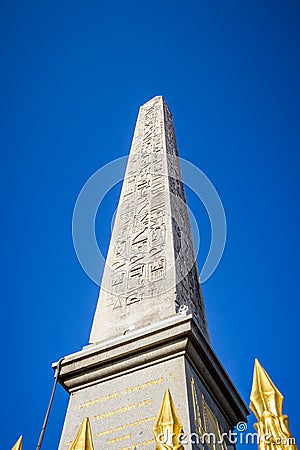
151	267
148	367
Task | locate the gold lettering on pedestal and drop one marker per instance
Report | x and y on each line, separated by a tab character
150	441
121	427
102	433
141	421
123	409
102	399
119	439
126	425
120	410
145	385
117	394
145	403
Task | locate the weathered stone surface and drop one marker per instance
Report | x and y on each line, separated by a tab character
120	384
151	266
122	410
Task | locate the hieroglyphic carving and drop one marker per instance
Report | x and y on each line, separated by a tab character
151	246
118	282
141	236
133	298
157	269
188	289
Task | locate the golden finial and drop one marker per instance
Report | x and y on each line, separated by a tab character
83	439
168	427
18	444
266	403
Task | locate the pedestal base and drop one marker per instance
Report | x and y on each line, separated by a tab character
119	384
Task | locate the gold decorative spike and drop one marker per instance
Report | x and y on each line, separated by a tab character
19	444
168	427
266	403
83	439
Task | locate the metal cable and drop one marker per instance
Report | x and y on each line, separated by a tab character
39	444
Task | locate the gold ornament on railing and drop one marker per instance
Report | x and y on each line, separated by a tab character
266	403
168	427
18	445
83	439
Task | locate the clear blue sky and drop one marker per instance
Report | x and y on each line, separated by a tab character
73	75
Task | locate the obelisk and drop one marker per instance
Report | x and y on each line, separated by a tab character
150	269
149	366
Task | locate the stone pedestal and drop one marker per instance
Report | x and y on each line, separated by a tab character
119	384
